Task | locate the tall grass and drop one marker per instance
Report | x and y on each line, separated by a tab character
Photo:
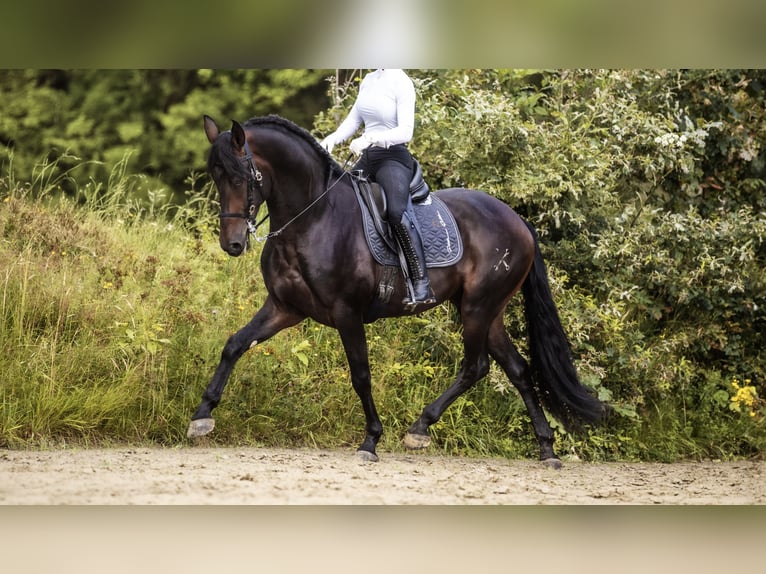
115	306
114	311
91	321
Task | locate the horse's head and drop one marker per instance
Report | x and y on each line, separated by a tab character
233	169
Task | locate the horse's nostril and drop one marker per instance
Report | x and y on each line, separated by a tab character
234	248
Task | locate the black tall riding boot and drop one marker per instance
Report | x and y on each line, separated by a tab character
409	241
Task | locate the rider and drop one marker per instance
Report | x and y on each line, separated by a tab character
386	106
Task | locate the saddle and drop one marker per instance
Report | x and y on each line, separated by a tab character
374	196
442	243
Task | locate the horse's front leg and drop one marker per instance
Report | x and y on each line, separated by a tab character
269	320
355	344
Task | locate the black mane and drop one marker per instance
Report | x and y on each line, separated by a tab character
220	152
294	129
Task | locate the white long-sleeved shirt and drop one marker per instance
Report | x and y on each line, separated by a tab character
386	106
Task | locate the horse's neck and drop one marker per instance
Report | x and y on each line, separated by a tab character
277	152
297	180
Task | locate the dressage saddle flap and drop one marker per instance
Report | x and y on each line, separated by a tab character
442	243
418	187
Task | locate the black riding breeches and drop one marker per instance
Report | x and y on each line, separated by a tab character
391	168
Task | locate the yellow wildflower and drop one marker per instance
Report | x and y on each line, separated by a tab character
745	397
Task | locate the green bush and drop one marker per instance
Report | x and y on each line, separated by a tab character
88	121
647	189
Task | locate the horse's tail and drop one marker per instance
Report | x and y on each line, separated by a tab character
553	370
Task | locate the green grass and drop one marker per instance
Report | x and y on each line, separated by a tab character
113	320
113	314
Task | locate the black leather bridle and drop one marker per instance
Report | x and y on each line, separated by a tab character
254	182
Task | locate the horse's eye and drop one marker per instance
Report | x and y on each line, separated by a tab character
237	181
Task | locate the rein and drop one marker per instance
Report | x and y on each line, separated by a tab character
305	209
255	181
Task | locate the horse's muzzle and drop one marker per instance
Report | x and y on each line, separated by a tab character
235	248
233	236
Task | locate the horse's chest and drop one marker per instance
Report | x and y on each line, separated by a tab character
293	281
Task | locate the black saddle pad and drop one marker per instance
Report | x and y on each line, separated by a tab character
442	243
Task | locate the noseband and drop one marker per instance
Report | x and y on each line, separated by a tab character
254	180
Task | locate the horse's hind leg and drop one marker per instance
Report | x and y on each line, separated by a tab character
475	366
504	352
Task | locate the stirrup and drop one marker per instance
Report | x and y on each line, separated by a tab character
411	300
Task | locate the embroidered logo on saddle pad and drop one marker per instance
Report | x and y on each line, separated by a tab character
442	243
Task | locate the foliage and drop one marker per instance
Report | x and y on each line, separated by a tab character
92	119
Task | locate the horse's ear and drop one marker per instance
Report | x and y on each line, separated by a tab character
237	135
211	129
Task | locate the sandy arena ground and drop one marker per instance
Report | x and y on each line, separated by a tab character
259	476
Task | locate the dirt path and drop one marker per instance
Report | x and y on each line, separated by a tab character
184	476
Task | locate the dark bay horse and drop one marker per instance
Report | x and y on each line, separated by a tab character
316	263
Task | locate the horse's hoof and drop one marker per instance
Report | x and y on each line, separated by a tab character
416	441
200	427
552	462
367	456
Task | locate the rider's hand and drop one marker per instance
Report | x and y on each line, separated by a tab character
328	143
360	144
